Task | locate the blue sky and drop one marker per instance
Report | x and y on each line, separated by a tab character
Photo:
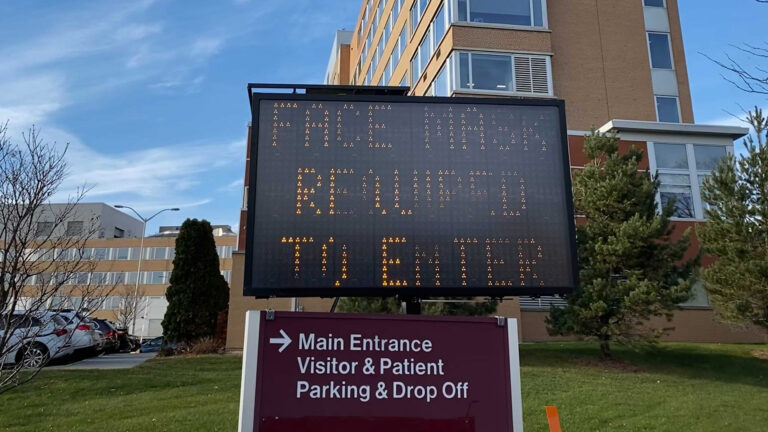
150	94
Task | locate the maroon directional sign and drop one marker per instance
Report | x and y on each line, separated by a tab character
339	372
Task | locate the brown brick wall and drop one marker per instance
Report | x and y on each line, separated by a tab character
691	325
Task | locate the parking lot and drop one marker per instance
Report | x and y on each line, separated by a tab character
104	362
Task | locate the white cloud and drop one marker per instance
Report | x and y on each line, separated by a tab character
234	185
727	120
190	86
78	34
135	32
81	56
153	206
155	173
735	117
29	100
205	47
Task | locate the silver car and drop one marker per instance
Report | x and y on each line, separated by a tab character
36	338
84	338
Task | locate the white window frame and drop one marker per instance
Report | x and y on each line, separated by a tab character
669	44
457	73
454	15
692	171
664	4
656	107
447	67
433	43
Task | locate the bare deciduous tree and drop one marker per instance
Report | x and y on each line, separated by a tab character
132	306
43	260
749	78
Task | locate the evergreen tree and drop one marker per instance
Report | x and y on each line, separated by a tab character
390	305
736	232
461	306
198	291
369	305
629	269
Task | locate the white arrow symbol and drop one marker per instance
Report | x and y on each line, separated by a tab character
285	341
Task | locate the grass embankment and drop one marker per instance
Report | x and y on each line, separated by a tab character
676	387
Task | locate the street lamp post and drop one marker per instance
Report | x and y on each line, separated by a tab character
141	255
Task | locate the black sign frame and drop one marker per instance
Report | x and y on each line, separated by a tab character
410	291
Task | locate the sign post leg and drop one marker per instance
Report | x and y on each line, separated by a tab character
411	306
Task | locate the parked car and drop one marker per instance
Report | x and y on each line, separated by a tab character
154	345
111	338
84	337
126	341
36	338
101	341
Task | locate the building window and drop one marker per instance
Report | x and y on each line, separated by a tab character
364	21
156	278
119	232
380	10
44	229
224	251
492	72
654	3
99	278
425	52
504	73
118	278
80	278
387	72
123	253
439	26
130	278
227	275
368	42
434	35
369	76
111	303
682	168
667	109
529	13
661	50
400	48
380	50
440	87
74	228
156	253
415	15
100	254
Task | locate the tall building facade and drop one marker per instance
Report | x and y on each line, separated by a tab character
608	59
103	220
113	263
619	65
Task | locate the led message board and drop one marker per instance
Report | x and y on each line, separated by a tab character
381	195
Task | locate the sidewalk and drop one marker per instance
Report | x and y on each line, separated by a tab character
111	361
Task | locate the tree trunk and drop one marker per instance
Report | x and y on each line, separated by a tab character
605	349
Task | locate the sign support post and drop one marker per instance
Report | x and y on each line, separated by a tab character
411	306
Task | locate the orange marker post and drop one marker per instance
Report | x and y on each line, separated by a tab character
553	419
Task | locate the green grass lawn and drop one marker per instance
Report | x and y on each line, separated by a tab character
677	387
